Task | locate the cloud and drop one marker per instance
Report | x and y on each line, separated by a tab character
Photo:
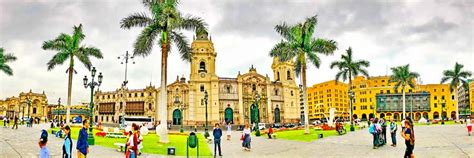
429	35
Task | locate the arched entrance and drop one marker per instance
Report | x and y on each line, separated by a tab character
435	115
177	117
354	116
417	116
371	116
364	117
444	115
425	115
389	116
229	115
396	116
382	115
453	114
254	114
277	115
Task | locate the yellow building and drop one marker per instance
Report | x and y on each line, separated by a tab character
471	97
19	107
229	98
441	101
323	96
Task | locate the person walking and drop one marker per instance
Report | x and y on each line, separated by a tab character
270	132
67	145
140	142
246	137
373	131
15	123
409	135
133	142
384	130
229	130
393	132
5	122
82	144
44	152
469	125
217	133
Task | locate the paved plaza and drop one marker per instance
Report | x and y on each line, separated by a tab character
431	141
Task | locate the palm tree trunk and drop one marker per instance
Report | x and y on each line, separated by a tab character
350	99
403	100
305	105
69	89
163	110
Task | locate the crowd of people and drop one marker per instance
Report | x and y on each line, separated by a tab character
378	129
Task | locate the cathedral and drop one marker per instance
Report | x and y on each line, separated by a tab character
241	99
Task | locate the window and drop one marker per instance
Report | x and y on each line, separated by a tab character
442	97
435	105
291	93
136	94
435	98
388	91
228	88
278	76
149	106
409	90
202	66
354	107
442	90
143	94
254	87
202	88
276	91
34	110
288	75
121	105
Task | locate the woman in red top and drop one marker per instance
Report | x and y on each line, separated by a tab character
270	132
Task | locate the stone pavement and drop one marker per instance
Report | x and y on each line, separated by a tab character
431	141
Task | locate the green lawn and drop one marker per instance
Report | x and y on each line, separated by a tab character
298	135
151	145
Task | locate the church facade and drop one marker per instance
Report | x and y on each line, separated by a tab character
229	99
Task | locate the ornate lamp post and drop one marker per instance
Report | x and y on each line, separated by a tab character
351	98
206	133
57	109
92	85
257	100
443	108
125	59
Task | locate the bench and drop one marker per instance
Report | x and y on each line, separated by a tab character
120	146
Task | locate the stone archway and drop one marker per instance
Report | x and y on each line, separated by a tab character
371	116
354	116
382	115
453	114
425	115
417	116
177	119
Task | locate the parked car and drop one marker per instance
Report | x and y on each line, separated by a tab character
290	125
277	125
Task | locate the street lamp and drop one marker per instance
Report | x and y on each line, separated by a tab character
257	100
351	97
206	133
443	107
57	109
92	85
125	59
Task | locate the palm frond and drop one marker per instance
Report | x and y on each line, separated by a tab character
314	59
444	79
135	20
298	66
58	44
91	51
192	23
77	35
283	51
182	44
285	31
323	46
58	59
6	69
145	40
8	57
84	59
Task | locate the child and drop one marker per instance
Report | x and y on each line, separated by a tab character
44	153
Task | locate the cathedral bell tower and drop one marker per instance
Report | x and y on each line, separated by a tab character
283	71
202	79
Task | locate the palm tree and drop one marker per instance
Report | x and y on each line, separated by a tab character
299	44
68	47
4	59
457	77
348	69
403	77
164	23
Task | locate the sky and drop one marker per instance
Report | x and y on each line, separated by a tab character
430	35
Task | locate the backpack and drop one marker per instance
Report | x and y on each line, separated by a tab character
372	129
